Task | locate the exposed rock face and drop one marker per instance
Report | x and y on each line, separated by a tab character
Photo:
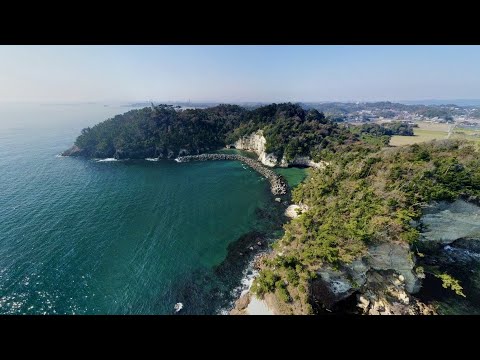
241	304
380	293
278	185
330	287
250	304
364	276
73	151
386	294
397	257
294	211
447	222
256	142
302	161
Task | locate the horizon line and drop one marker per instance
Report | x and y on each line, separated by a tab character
131	102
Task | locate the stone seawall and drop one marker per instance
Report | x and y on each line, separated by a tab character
278	185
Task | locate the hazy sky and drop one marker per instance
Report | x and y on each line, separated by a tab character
238	73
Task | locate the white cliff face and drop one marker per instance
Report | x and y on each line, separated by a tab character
303	161
256	142
268	159
294	210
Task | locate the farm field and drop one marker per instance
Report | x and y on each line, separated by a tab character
429	131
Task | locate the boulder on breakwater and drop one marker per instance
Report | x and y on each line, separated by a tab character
278	185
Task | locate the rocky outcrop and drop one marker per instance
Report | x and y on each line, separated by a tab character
241	305
361	277
302	161
446	222
294	210
256	142
330	287
250	304
73	151
278	185
386	294
140	153
396	257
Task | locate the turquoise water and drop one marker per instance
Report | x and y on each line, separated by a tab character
293	175
135	237
249	154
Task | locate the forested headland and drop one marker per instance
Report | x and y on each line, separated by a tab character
164	131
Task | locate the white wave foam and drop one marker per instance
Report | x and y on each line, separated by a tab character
151	159
107	160
60	156
461	251
248	275
177	160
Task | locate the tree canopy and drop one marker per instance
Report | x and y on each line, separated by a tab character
163	131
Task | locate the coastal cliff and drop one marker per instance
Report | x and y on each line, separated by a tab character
354	233
354	244
280	134
256	143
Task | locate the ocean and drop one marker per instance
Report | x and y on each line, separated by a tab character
84	236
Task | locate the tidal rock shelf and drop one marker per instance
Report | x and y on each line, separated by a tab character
278	185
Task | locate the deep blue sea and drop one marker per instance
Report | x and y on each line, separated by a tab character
123	237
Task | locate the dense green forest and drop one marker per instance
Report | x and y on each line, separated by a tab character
368	195
163	131
156	131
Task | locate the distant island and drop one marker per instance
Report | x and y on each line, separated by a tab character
356	227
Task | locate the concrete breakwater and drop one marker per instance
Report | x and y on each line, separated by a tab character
278	185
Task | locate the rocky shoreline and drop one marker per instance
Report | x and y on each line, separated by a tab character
277	183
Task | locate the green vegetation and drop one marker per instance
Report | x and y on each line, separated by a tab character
392	128
290	130
420	136
369	195
156	131
380	135
163	131
452	283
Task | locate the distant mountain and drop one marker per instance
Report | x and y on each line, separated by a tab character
459	102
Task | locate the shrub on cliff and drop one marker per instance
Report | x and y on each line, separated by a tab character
368	197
